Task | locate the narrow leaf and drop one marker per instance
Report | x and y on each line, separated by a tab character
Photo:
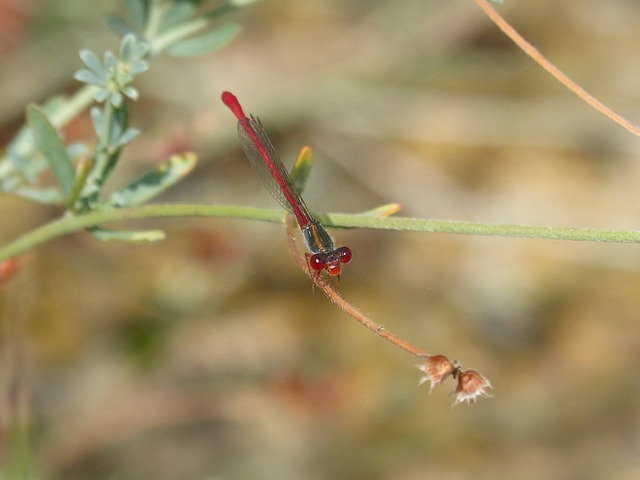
205	43
126	137
302	168
155	181
139	11
93	63
384	210
52	147
242	3
22	156
223	9
50	196
178	12
82	173
88	77
118	25
130	236
97	120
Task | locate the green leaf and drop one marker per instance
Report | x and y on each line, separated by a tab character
83	169
118	25
93	64
205	43
154	182
85	76
384	210
110	63
41	195
23	157
302	169
178	13
228	6
224	9
23	162
497	2
139	11
130	236
52	147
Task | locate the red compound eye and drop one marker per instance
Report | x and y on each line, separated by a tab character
316	262
345	254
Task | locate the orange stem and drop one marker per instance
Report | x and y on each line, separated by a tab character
339	300
552	69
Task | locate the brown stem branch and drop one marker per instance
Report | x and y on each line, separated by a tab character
339	300
552	69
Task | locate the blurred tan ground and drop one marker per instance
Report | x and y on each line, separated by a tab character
208	356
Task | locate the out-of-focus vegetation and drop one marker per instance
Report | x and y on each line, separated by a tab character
209	355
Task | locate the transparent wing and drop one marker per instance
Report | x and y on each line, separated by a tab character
271	170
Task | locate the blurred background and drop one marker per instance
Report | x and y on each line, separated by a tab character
209	355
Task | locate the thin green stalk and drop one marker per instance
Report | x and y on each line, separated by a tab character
156	15
73	106
101	164
70	224
487	229
19	447
166	39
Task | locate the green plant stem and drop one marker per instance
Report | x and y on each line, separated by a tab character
69	224
73	106
486	229
103	148
162	41
156	15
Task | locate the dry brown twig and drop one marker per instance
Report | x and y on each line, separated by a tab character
470	383
540	59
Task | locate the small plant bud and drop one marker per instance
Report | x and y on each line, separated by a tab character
436	369
471	385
